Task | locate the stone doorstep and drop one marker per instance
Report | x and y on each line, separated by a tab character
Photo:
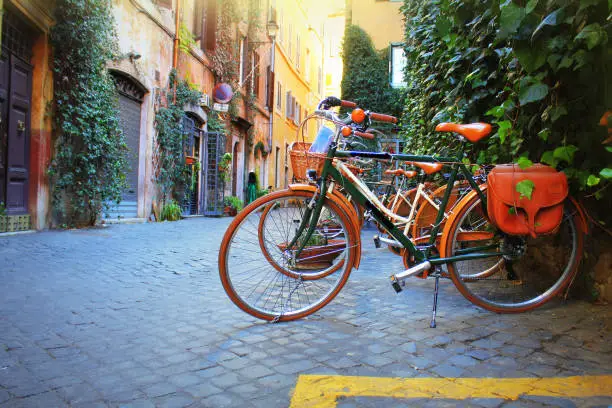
107	221
9	234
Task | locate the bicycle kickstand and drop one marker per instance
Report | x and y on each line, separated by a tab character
435	304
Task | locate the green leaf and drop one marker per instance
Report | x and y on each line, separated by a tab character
593	180
497	112
531	5
552	19
587	3
510	18
557	112
566	62
504	127
524	162
606	173
533	93
565	153
543	134
549	158
512	210
593	34
525	188
609	148
530	57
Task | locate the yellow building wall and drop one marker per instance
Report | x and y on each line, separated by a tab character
299	68
380	19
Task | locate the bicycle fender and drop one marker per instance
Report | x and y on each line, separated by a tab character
582	215
451	219
344	203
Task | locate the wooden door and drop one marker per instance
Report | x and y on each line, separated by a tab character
15	98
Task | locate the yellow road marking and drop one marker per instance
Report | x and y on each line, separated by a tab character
322	391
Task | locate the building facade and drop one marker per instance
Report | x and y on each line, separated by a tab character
278	48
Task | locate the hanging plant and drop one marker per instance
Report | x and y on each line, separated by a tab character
260	148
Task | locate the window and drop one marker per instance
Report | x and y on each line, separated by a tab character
269	87
290	41
320	78
255	74
397	66
244	60
307	66
279	98
289	105
297	52
276	174
205	23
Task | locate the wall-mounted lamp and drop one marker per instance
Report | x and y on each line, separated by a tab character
133	56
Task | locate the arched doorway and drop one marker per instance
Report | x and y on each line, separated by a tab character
131	95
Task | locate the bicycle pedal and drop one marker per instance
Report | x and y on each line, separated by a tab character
377	241
396	285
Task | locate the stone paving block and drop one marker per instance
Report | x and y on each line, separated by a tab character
218	401
255	371
226	380
294	367
159	389
446	370
46	399
140	403
78	393
178	400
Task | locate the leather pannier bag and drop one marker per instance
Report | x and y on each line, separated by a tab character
542	214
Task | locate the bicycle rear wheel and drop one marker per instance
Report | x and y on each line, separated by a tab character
269	284
533	271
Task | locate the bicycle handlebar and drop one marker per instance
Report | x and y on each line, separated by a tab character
348	104
365	135
382	117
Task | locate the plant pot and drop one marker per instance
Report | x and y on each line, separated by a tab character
230	211
190	160
318	256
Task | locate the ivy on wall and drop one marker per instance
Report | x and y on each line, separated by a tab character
366	74
538	70
88	169
171	173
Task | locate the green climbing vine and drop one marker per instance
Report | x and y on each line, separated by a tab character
366	74
88	168
538	70
171	173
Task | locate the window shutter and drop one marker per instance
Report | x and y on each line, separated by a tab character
209	29
256	74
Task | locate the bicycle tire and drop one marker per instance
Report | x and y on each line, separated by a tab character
538	269
257	287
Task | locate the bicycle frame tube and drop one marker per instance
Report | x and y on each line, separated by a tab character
329	169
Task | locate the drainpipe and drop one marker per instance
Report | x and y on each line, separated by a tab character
272	52
177	23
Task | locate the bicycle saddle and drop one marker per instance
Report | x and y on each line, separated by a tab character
401	172
428	168
472	132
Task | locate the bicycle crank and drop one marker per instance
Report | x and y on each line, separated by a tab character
400	277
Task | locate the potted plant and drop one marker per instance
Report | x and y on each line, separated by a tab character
232	205
224	167
318	253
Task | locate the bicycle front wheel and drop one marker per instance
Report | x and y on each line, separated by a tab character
531	272
260	273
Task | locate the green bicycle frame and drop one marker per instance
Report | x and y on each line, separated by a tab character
314	209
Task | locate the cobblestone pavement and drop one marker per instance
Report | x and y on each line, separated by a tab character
135	315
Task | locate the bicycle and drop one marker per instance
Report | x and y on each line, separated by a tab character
313	272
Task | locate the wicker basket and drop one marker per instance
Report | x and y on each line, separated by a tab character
303	160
